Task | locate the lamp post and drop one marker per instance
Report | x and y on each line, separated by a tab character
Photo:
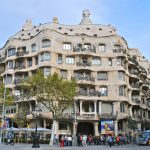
36	137
3	111
75	126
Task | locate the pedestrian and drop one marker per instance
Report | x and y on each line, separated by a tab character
110	140
62	141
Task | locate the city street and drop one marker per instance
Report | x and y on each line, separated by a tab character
47	147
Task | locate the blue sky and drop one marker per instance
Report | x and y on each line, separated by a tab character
130	17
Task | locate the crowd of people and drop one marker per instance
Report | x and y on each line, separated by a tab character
85	140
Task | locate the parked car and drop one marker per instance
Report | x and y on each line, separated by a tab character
144	137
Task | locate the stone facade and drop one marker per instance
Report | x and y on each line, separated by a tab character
113	79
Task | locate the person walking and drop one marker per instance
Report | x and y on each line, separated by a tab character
110	140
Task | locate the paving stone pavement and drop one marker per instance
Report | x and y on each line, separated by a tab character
47	147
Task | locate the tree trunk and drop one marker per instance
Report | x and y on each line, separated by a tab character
53	132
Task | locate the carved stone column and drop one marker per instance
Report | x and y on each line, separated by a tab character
96	129
95	107
116	127
81	107
114	108
100	107
130	111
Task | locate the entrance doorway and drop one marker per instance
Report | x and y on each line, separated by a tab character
85	128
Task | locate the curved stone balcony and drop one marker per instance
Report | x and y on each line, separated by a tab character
107	116
133	59
87	116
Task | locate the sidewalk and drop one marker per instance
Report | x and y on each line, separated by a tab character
29	147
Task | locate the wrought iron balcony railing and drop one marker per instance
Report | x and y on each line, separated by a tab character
19	67
119	51
84	77
83	49
21	53
89	92
136	99
2	59
84	64
108	116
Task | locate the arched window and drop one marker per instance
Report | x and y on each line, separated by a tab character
67	46
122	90
121	76
11	52
46	43
96	61
122	107
33	47
102	47
45	56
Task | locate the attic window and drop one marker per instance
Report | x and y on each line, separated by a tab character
100	29
60	28
88	28
22	34
71	29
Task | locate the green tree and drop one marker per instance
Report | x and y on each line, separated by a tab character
55	93
132	124
5	93
20	117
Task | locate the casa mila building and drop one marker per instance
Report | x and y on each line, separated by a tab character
113	79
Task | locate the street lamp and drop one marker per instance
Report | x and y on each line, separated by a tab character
36	137
3	111
75	126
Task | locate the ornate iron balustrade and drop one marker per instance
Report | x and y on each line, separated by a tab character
143	70
21	53
84	77
21	97
2	59
137	116
84	64
119	51
133	59
83	49
19	67
134	72
148	103
89	92
18	81
107	116
146	82
135	85
136	99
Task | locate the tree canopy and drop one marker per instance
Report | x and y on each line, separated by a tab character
20	117
55	93
8	97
